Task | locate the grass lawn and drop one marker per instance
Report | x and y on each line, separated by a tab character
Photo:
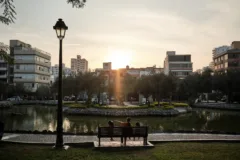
171	151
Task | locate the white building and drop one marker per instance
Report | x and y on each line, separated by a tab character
178	65
55	71
31	65
79	65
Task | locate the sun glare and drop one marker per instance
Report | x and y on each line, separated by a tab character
119	58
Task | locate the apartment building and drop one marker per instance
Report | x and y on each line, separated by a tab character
219	50
55	70
3	64
31	65
79	65
230	59
178	65
107	66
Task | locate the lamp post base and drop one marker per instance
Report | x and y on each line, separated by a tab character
62	147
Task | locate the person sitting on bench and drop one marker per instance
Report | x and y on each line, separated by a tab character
137	125
111	126
125	124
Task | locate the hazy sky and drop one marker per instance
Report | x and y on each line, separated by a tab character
146	29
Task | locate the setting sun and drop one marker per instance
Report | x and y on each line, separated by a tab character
119	58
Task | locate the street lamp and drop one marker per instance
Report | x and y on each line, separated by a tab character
60	28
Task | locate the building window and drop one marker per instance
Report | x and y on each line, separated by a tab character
17	66
226	64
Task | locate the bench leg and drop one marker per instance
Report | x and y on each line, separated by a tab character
99	144
125	141
121	139
144	141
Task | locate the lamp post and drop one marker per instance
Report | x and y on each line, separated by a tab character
60	28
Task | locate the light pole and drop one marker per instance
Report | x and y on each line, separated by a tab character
60	28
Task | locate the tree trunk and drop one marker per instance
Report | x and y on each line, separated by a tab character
99	95
170	99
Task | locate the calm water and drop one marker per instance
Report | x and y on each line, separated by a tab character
44	118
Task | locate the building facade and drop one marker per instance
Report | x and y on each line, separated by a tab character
178	65
219	50
107	66
229	59
3	64
55	70
31	65
79	65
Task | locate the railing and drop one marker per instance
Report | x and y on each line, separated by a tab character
41	51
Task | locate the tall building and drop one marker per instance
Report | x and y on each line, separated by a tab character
55	70
107	66
4	64
179	65
219	50
79	65
31	65
230	59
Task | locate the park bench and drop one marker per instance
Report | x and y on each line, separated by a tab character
123	133
1	129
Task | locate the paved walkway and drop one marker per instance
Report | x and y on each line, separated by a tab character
160	137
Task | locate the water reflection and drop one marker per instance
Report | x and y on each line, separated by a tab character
44	118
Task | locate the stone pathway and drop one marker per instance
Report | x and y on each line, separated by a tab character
159	137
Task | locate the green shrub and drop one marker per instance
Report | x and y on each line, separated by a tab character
76	105
164	103
180	104
168	107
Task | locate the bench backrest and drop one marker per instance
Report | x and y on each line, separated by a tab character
1	127
123	131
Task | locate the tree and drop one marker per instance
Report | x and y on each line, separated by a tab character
169	86
19	89
43	91
9	13
3	90
190	87
91	85
3	54
129	85
157	89
144	86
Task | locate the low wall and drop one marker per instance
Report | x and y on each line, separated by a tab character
223	106
5	104
35	102
121	112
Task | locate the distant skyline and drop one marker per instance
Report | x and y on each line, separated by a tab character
106	29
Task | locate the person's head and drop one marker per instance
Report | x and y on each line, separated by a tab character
110	123
128	120
137	124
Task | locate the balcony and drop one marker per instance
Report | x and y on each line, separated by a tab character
31	71
3	68
3	76
24	61
31	51
22	80
180	69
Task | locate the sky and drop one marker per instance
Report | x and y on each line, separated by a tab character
127	32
